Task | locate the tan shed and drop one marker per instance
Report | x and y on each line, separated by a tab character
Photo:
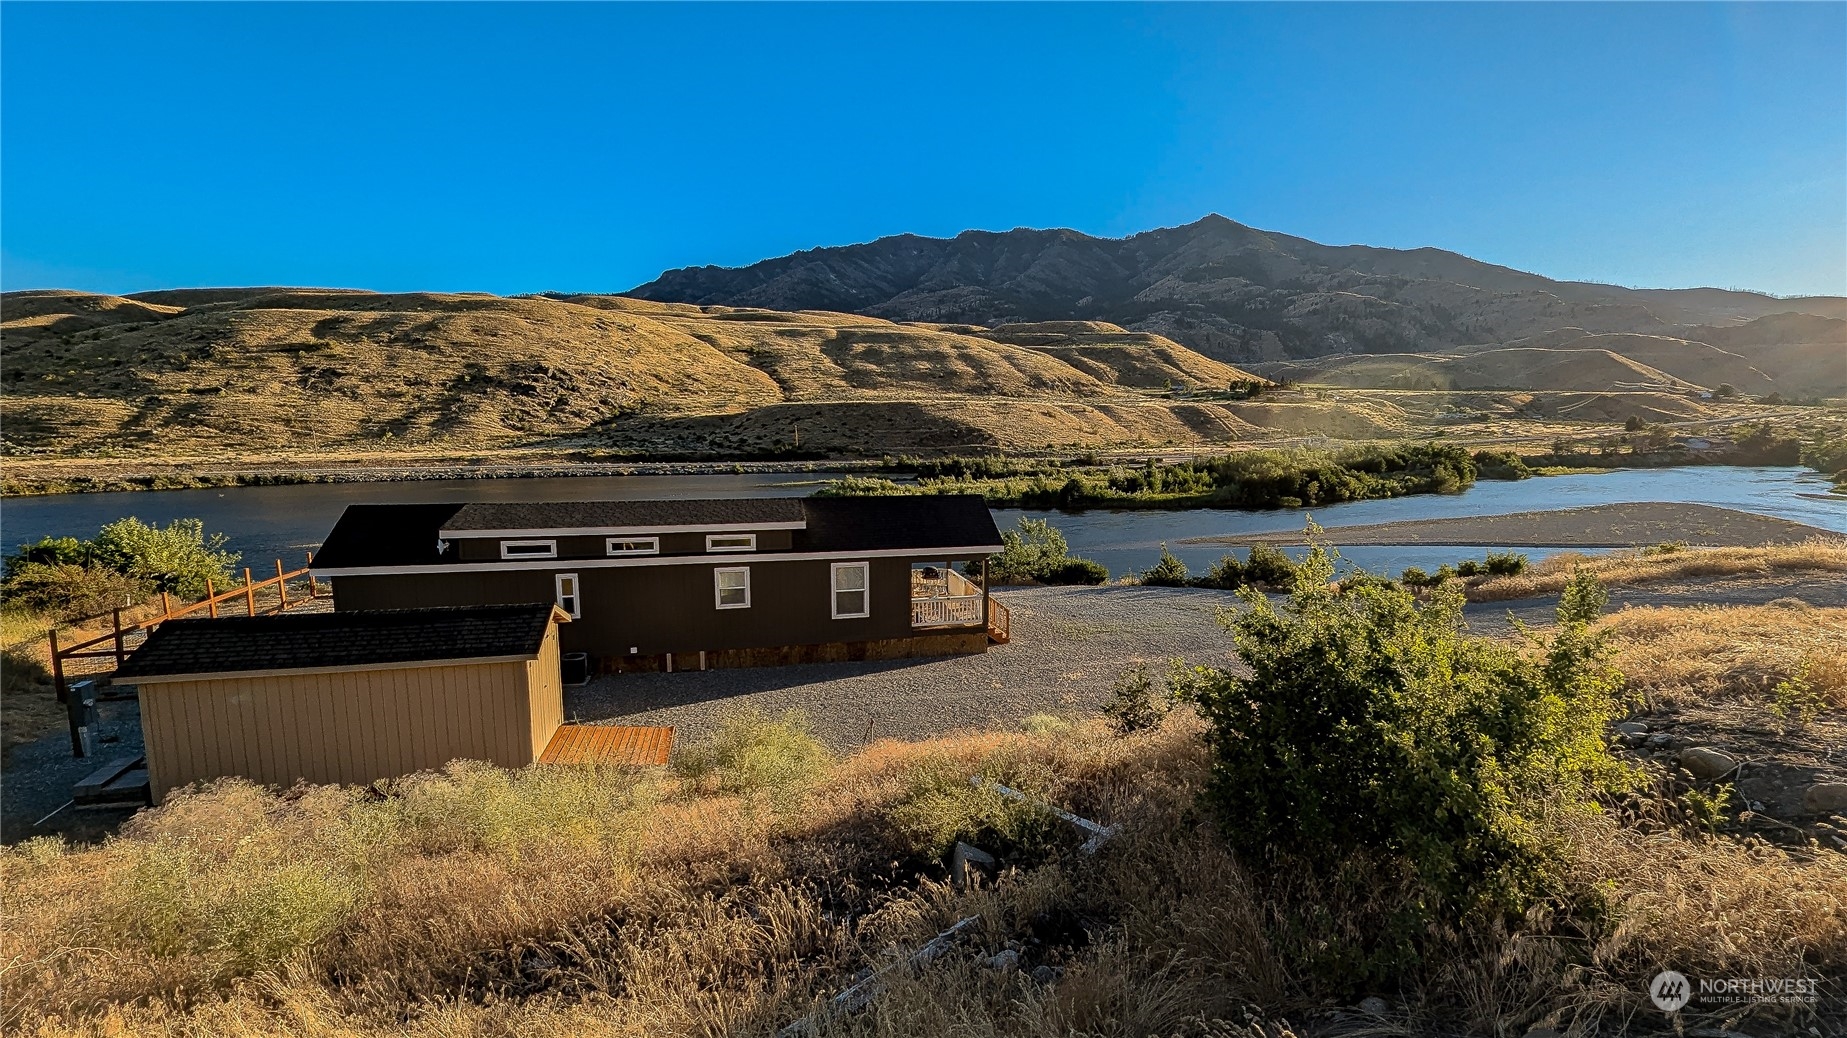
346	697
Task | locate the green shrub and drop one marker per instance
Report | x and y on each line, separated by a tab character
750	754
1226	574
1034	548
50	551
68	591
1505	564
1469	568
1137	702
1077	571
1372	728
1493	464
1415	577
1269	565
1169	572
178	558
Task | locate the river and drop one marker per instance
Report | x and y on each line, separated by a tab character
270	522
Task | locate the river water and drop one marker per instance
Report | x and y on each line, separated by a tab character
266	523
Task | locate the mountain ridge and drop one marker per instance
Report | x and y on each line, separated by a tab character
1232	292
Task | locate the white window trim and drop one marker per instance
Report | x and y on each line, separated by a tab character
653	546
834	589
716	598
711	537
550	552
576	608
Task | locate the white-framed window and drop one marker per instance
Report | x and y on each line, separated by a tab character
568	598
528	549
633	546
731	587
852	596
730	542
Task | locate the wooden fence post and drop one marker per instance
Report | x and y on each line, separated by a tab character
313	592
121	656
211	598
282	588
166	605
57	668
250	595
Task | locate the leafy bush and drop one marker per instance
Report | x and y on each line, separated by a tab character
67	591
1415	577
1033	548
1077	571
750	754
1374	729
1169	572
1226	574
1269	565
50	551
1505	564
178	558
1137	702
1493	464
1469	568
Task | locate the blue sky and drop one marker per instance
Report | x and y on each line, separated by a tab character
579	147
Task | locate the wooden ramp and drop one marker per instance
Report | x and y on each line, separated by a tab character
608	744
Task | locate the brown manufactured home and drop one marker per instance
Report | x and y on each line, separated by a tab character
692	584
349	697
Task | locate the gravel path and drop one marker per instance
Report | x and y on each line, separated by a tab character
1069	646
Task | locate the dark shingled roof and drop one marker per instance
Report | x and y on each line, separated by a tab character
290	641
385	535
895	523
370	536
596	515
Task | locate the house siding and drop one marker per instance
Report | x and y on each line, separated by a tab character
670	608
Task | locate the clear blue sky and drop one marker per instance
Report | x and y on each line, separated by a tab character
579	147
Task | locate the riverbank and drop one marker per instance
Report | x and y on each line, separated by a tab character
1627	525
36	478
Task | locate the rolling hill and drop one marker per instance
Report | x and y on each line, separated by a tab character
217	370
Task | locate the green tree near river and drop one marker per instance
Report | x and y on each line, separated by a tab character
68	577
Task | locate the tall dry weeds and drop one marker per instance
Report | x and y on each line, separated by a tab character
1820	555
558	901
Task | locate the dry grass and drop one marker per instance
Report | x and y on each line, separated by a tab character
560	901
329	370
1665	564
1723	653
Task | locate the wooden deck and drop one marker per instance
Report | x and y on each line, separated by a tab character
608	744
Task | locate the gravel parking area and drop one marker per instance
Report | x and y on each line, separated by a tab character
1069	646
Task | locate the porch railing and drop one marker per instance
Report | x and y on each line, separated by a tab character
956	611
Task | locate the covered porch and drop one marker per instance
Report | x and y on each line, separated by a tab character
942	597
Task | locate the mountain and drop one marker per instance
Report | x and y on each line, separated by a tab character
1225	290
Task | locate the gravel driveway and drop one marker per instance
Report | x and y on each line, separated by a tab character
1069	646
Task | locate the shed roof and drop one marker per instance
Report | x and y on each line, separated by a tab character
356	638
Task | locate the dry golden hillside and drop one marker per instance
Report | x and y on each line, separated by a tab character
217	371
1560	370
